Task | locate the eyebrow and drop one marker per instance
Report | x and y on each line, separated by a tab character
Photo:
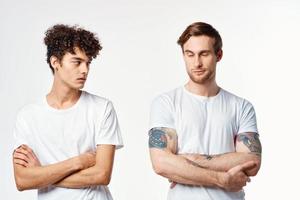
81	59
77	58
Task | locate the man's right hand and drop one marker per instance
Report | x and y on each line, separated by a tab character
235	179
87	159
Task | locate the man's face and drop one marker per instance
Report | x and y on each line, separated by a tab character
200	59
73	69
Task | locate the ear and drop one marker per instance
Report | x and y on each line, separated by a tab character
219	55
55	63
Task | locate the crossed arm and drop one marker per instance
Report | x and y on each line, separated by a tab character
80	171
229	171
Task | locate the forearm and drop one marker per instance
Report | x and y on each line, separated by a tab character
42	176
184	171
84	178
97	174
224	162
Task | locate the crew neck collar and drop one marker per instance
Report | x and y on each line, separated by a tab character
67	109
203	98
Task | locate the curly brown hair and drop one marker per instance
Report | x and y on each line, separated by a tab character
61	39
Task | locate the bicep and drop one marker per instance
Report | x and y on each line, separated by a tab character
105	157
248	143
162	140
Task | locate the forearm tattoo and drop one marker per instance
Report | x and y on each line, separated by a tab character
195	164
251	141
159	137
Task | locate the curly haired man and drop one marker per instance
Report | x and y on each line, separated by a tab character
65	142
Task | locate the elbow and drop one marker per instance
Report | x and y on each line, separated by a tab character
103	178
254	170
20	184
20	188
158	167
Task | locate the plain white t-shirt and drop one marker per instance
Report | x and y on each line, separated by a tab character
56	135
204	125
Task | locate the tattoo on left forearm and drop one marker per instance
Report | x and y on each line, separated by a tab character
251	141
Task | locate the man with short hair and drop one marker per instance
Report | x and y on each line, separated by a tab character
65	142
203	138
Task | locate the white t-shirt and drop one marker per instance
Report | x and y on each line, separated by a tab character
204	125
56	135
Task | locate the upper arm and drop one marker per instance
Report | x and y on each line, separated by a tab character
104	160
162	141
250	143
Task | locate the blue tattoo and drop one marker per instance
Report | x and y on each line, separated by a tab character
157	139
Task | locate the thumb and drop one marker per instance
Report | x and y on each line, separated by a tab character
248	165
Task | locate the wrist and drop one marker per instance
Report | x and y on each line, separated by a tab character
221	179
77	163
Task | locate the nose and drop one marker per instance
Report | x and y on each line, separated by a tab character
197	61
84	68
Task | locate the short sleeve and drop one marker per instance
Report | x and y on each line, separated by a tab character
161	113
247	122
109	132
20	132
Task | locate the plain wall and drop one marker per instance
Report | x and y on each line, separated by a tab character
141	59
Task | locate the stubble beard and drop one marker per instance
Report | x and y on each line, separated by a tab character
202	79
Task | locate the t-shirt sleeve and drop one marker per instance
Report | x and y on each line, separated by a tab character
161	113
109	132
247	122
20	132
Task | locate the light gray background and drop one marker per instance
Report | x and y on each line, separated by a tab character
141	59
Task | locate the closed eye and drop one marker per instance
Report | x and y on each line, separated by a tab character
76	62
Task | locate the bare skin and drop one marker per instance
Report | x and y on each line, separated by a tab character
179	169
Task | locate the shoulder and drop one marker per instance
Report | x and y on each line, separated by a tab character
234	98
97	103
96	100
169	96
238	102
30	109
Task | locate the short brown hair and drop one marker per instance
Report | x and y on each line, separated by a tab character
201	28
61	39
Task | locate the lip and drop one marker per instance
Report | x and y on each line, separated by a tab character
81	79
198	71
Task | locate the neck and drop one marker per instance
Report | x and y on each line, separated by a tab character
206	89
61	96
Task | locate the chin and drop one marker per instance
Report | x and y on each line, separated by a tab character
77	87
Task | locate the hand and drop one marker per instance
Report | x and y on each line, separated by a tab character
87	159
235	179
25	156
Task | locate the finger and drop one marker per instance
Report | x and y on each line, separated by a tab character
235	169
173	184
20	162
29	150
22	151
248	165
20	156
